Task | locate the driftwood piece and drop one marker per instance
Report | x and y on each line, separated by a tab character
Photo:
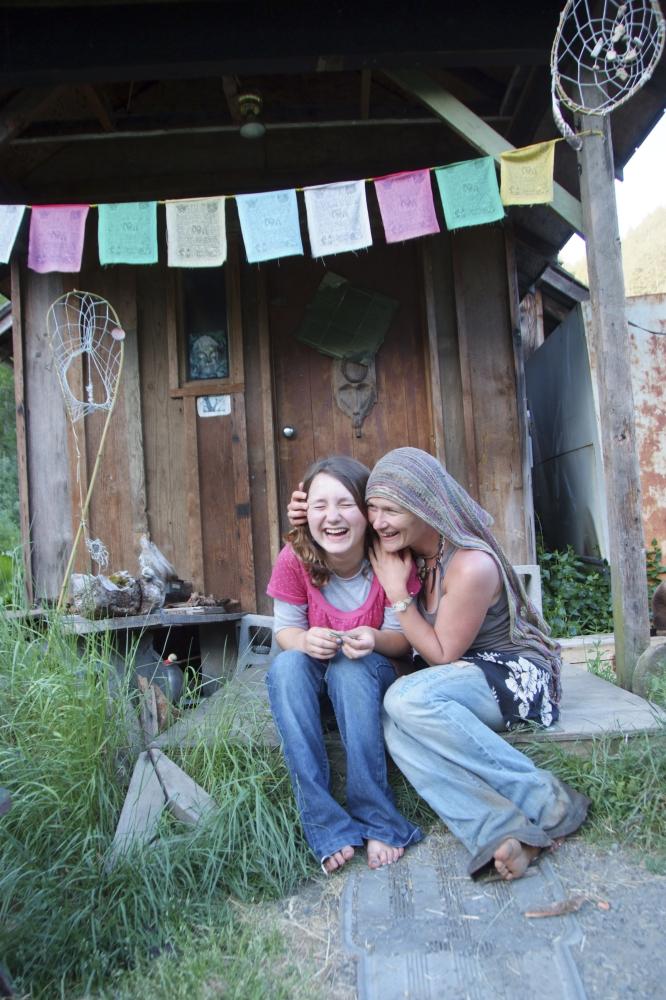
186	800
141	811
104	596
123	594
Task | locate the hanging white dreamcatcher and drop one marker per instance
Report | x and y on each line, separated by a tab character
87	343
602	54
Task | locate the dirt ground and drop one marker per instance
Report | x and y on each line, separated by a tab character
621	953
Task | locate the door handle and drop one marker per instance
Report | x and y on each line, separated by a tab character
289	432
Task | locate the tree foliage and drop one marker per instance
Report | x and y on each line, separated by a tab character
643	257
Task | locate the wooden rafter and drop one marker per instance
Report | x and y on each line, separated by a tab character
100	107
22	109
476	132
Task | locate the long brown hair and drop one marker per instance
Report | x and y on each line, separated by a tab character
353	476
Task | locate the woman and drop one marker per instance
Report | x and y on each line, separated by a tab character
490	663
331	620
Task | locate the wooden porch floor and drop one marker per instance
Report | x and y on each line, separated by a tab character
591	707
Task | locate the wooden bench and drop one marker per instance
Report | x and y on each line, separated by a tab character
257	645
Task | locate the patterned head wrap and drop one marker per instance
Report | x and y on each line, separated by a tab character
415	480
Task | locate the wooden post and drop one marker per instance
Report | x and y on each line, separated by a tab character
616	403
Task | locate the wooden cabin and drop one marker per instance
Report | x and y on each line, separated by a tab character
115	103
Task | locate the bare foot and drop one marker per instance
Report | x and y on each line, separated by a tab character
337	860
380	854
512	858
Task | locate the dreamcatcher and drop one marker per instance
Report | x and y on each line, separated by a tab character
87	343
602	54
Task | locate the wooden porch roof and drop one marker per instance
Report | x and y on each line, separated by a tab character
139	100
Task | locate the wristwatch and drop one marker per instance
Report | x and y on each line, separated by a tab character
402	605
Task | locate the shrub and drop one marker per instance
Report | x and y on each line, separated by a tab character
576	595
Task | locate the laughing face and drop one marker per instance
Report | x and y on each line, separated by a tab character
397	528
335	521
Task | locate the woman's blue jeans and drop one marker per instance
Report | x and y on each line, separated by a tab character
441	728
296	683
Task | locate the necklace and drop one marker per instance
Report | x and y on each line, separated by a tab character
428	574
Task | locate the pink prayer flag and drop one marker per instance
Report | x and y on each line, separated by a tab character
56	237
406	205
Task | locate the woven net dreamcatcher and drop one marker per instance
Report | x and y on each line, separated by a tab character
87	343
602	54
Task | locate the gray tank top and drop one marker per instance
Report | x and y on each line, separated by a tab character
494	634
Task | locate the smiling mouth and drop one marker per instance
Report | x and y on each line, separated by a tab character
335	532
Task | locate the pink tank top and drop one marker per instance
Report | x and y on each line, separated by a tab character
290	582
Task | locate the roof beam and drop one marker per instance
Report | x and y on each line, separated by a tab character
476	132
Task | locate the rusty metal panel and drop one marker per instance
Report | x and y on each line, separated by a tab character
646	315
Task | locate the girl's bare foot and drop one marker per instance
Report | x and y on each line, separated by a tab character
337	860
512	858
380	854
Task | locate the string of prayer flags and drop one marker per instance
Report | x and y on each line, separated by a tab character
127	233
337	218
469	192
406	205
56	236
10	220
527	174
196	232
270	226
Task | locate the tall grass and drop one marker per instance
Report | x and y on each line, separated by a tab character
626	780
66	927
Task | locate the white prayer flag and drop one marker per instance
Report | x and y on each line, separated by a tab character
10	220
196	233
337	218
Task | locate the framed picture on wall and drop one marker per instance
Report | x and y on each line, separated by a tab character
205	351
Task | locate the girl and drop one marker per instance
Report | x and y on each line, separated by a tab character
333	623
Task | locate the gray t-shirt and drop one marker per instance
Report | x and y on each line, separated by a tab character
343	594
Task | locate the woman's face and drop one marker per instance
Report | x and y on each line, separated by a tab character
334	519
397	528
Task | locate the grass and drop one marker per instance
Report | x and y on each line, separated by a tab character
624	777
165	922
66	928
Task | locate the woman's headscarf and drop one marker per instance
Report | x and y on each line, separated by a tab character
415	480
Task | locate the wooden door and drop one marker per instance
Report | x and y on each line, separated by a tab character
304	396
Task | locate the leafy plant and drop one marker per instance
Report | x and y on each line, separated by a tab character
655	567
576	595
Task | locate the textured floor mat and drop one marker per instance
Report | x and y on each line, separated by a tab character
423	930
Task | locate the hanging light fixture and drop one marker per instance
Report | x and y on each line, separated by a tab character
250	106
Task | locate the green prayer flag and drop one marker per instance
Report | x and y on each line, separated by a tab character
470	193
127	233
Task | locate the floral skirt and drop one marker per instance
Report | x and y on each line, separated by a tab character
520	687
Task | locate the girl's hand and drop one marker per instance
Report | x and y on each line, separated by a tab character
392	569
321	643
297	511
358	642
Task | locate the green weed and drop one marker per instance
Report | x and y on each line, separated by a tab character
626	781
66	927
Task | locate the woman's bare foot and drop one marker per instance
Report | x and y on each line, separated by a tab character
337	860
380	854
512	858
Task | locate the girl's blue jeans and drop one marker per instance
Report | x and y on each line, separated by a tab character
296	683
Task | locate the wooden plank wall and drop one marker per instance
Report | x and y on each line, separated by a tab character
163	426
46	430
489	383
206	489
117	513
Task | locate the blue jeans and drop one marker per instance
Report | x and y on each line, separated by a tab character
441	728
296	682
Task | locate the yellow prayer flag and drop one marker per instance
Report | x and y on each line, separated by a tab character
527	174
